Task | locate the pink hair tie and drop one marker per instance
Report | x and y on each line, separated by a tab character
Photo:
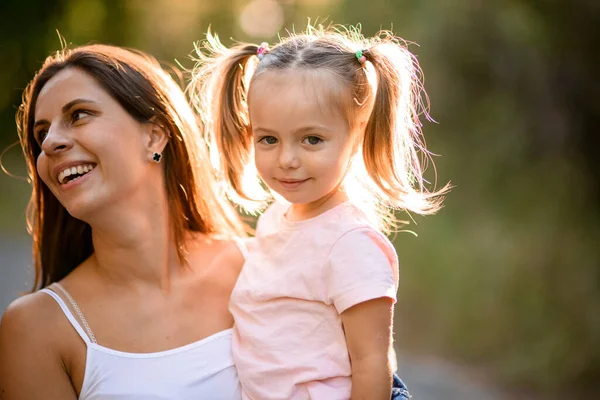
360	57
262	50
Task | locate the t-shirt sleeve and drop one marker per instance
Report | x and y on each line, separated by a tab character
362	266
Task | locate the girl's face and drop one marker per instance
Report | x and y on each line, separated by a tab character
93	152
303	145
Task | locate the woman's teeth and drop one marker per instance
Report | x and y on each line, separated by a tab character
73	173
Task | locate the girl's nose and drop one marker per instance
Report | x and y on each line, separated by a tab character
288	158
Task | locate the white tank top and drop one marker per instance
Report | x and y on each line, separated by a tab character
199	370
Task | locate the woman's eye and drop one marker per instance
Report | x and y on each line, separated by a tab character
78	114
313	140
268	140
40	135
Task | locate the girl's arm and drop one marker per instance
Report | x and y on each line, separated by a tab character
31	367
368	329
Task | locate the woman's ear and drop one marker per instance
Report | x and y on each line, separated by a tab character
157	136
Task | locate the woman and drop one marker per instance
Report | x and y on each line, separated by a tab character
133	242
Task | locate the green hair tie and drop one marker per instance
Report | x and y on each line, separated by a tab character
360	57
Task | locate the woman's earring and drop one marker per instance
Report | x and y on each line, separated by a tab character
156	157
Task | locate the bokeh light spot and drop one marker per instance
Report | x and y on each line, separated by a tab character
261	18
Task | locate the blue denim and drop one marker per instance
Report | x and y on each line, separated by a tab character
399	389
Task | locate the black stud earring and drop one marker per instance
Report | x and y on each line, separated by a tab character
156	157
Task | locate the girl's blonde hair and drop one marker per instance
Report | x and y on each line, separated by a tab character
147	92
384	90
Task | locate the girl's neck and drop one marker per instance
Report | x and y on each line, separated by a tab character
300	212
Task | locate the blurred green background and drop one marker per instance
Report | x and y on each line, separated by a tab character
504	282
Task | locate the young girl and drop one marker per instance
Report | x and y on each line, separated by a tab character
331	119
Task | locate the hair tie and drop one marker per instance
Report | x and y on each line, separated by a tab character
262	50
359	56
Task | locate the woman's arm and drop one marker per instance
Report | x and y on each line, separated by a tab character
368	329
31	367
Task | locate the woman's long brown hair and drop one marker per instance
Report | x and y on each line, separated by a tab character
148	93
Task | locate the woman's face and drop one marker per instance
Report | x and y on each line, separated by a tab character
93	153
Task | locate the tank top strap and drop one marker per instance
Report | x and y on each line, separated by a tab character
86	335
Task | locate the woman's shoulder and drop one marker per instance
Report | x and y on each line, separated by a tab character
31	316
32	325
34	336
234	253
229	253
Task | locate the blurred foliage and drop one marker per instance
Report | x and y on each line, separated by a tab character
507	276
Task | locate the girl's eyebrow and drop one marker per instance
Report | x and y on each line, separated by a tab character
265	130
304	129
312	128
64	109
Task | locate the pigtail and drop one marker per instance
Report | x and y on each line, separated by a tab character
218	91
394	151
380	84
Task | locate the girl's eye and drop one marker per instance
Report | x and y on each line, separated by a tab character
313	140
268	140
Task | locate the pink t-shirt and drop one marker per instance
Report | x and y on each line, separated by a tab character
288	340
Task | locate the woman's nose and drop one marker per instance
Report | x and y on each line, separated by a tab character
57	140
